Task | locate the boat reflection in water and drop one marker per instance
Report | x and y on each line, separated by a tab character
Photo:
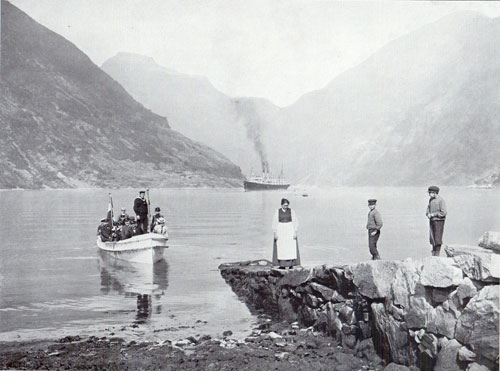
145	282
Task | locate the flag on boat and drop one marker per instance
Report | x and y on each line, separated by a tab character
109	215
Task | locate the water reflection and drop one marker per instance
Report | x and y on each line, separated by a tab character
144	282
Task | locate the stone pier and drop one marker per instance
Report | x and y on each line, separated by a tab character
435	313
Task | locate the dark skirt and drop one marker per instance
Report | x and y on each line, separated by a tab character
285	263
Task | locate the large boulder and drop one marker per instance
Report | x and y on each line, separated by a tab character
374	278
447	357
465	291
440	272
294	277
491	241
324	292
418	313
475	262
442	322
404	283
478	325
393	333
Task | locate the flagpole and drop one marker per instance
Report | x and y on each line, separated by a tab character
111	214
149	208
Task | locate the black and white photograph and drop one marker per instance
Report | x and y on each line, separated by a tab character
249	185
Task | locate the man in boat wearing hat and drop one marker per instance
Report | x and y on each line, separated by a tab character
141	212
374	224
436	212
122	217
158	223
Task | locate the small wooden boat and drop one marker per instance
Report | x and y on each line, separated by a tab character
145	248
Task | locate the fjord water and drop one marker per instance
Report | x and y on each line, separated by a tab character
54	282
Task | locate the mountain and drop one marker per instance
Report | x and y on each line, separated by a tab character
423	109
194	107
66	123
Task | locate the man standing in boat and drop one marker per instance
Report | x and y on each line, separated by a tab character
374	224
285	227
436	212
141	212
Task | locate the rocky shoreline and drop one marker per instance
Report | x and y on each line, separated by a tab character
435	313
271	345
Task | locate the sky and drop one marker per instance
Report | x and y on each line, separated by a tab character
275	49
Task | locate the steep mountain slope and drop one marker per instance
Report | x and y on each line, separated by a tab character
193	105
66	123
423	109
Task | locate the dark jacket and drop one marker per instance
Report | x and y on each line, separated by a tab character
140	206
127	232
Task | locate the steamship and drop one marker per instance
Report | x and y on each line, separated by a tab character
266	181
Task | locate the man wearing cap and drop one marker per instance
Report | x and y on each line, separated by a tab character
436	212
141	212
122	217
374	224
154	219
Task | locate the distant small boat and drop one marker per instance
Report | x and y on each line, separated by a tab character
266	181
145	248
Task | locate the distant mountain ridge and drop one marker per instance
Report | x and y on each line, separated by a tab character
193	105
66	123
423	109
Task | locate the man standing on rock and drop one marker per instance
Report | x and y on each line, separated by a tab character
436	212
141	212
373	225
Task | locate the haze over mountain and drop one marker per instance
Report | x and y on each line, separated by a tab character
192	104
423	109
66	123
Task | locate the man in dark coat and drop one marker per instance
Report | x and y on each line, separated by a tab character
122	217
141	212
127	230
374	224
436	212
104	230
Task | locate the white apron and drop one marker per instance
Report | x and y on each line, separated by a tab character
286	245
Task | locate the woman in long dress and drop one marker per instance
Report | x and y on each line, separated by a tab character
286	246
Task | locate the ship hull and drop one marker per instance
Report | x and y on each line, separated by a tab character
255	186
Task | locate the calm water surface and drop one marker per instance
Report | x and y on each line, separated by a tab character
54	281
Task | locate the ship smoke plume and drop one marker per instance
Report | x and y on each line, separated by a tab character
248	115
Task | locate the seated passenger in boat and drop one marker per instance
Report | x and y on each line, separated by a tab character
158	223
127	230
133	226
104	230
116	232
122	217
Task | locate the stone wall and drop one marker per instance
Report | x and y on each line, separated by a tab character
436	313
